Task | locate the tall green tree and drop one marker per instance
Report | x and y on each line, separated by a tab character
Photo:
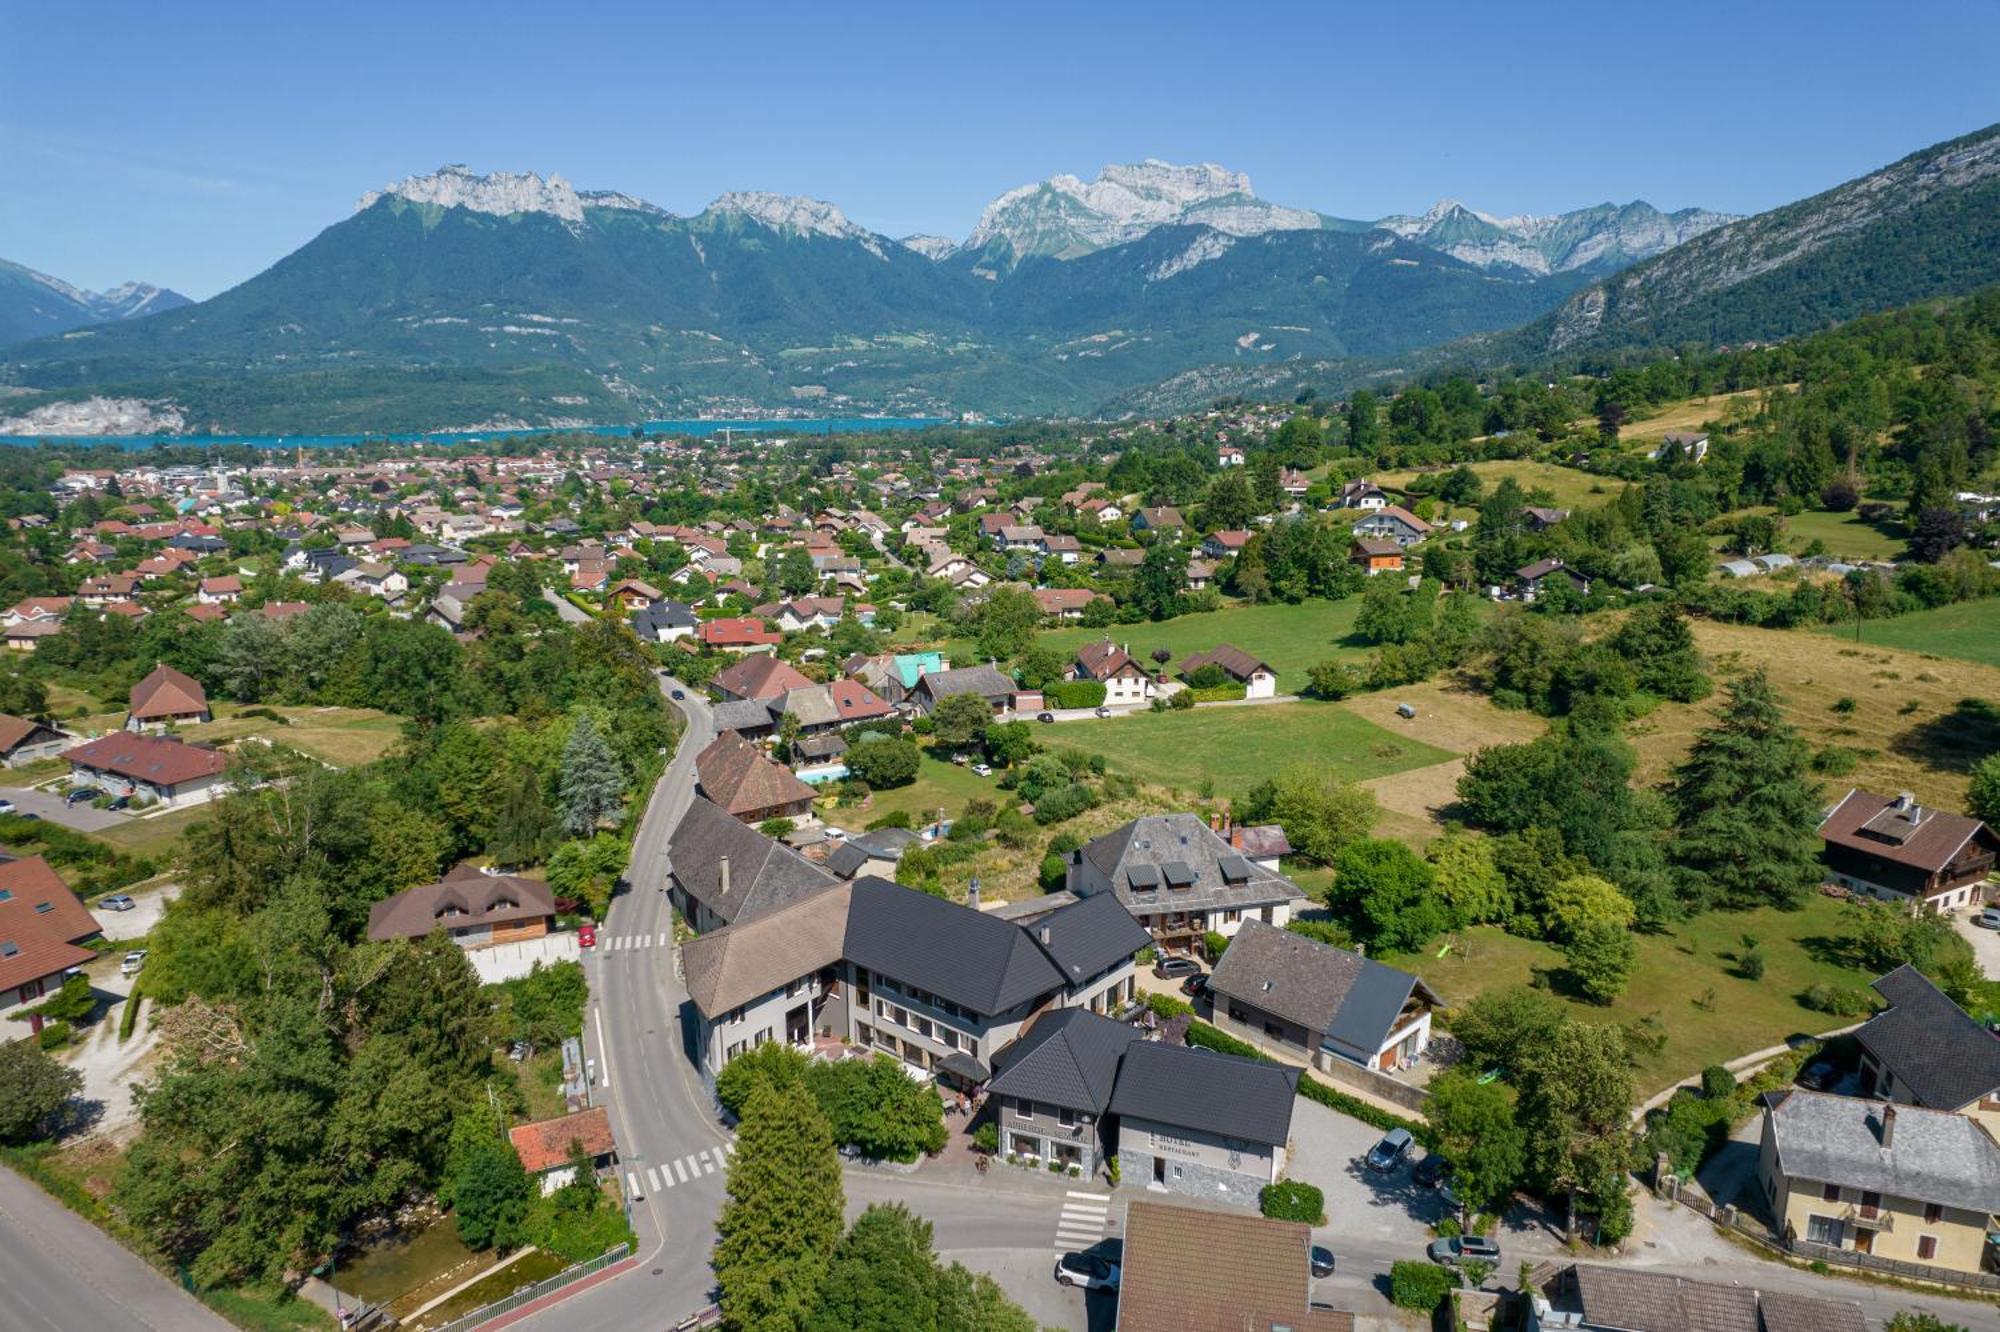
33	1090
1320	813
1601	955
1746	805
592	785
1575	1103
1477	1132
883	1277
1161	579
781	1214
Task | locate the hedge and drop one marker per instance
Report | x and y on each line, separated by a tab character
1293	1200
129	1020
1075	694
1420	1285
1222	693
1210	1037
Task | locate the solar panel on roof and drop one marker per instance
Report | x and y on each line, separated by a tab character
1235	869
1179	873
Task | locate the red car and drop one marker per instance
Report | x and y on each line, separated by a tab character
586	936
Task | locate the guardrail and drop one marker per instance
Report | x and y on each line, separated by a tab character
546	1286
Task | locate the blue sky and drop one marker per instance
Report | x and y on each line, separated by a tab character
195	144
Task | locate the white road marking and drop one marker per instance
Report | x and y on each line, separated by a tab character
680	1168
632	1185
652	1181
1091	1197
603	1051
667	1174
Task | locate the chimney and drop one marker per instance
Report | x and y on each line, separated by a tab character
1043	932
1236	836
972	893
725	876
1888	1127
1905	801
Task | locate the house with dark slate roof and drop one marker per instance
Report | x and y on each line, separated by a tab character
722	870
1052	1087
1202	1123
941	986
933	687
1591	1298
1180	878
1925	1050
1896	1182
1323	1004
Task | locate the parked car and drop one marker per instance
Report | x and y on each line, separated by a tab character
1103	711
1170	967
1387	1154
1432	1171
586	936
1195	986
118	902
80	794
981	770
133	961
1322	1261
1463	1249
1045	716
6	807
1086	1270
679	694
122	802
1819	1075
1988	918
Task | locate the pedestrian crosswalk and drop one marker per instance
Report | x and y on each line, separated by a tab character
1083	1219
627	943
640	1181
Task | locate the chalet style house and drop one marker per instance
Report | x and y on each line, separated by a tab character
1322	1004
472	908
164	697
1896	849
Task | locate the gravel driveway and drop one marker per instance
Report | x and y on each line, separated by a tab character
81	816
1985	943
147	908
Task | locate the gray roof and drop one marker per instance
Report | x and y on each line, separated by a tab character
849	859
982	964
1614	1297
1029	908
1068	1057
1349	999
763	875
1157	840
1933	1156
1938	1051
981	680
665	615
743	714
1182	1086
1088	936
813	706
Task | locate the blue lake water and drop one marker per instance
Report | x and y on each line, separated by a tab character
838	425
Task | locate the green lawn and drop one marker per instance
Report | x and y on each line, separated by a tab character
1686	979
1844	535
153	836
1969	631
1573	489
1291	638
1236	747
939	785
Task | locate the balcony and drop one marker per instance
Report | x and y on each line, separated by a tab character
1868	1218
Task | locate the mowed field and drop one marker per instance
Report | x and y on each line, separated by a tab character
1688	414
1572	489
1915	723
1233	748
1686	980
1969	631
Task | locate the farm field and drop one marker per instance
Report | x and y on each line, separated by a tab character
1969	631
939	785
1914	723
1687	414
1685	979
1236	747
344	737
1843	534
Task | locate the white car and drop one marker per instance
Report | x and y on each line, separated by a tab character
6	807
133	961
981	770
1087	1270
1988	918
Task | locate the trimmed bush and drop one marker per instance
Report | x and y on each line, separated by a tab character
1839	1000
1293	1200
1168	1006
54	1035
1717	1082
1420	1285
1222	693
1075	694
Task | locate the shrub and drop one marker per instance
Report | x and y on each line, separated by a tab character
1717	1082
885	763
1419	1285
54	1035
899	818
1167	1005
128	1022
1293	1200
1181	700
986	1137
1835	760
776	828
1064	803
1213	943
1839	1000
1208	676
1053	874
1075	694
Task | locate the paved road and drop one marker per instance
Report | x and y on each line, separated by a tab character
566	609
59	1273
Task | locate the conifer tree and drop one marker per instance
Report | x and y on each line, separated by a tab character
781	1215
591	784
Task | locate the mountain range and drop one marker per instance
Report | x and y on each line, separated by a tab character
460	299
33	305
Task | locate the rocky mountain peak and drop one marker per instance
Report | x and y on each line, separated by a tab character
792	213
502	193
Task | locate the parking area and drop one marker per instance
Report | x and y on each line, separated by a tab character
511	961
147	908
81	816
1384	1209
1985	943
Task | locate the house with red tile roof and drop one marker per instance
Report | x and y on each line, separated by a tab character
164	697
149	767
23	740
42	930
738	634
545	1145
